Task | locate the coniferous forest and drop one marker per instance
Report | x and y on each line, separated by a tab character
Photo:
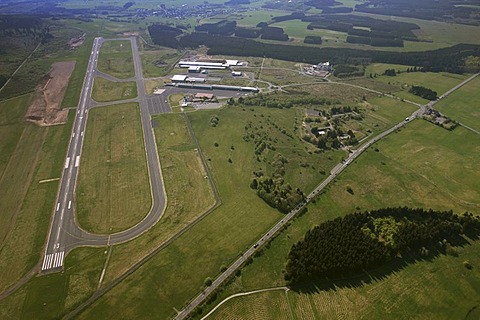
361	241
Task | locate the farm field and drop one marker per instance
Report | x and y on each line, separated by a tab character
106	91
422	165
116	59
242	215
113	190
463	105
184	178
28	155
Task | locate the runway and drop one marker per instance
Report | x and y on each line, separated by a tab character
64	234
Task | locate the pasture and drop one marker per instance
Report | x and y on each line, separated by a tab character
422	165
463	105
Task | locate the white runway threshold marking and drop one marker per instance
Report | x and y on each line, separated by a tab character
77	161
53	260
67	163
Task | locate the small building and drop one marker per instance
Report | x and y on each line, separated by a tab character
236	73
179	78
194	69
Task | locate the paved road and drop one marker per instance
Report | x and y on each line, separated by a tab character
333	174
65	234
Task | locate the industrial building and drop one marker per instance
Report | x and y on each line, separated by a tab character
208	65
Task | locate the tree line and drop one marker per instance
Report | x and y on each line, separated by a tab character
423	92
360	241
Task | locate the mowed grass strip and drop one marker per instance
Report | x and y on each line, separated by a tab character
29	154
464	104
106	91
422	165
188	192
116	59
113	191
178	272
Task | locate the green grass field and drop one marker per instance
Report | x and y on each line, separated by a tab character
463	105
184	178
421	166
106	91
442	289
177	273
158	63
28	155
116	59
56	294
113	190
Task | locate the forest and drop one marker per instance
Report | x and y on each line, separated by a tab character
450	59
361	241
423	92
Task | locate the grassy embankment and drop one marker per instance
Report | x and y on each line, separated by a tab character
181	268
463	104
113	191
106	91
116	59
421	166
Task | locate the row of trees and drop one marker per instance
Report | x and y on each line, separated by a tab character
359	241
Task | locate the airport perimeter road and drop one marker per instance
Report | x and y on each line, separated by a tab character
65	234
333	174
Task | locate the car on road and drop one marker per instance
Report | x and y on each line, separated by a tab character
255	245
407	119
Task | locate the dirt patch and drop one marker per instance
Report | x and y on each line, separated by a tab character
45	109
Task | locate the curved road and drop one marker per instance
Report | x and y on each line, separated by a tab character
65	234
